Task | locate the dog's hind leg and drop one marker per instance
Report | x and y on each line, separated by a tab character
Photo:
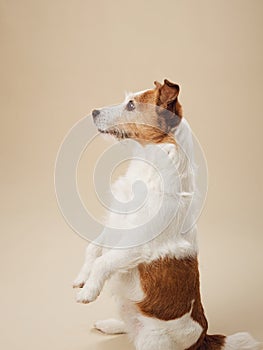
110	326
155	341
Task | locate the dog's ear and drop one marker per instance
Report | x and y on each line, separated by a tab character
168	92
168	101
157	84
168	107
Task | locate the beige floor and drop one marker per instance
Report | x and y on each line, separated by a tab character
60	59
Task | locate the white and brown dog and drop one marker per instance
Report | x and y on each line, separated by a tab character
156	284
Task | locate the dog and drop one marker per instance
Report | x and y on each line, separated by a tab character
156	281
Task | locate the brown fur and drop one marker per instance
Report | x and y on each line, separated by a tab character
168	97
170	285
209	342
149	96
170	110
145	133
165	96
167	115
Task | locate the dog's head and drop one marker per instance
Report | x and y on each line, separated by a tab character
148	117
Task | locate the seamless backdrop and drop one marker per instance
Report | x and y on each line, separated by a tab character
61	59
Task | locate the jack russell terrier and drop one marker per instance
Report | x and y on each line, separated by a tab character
156	284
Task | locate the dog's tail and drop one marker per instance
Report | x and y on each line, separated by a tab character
238	341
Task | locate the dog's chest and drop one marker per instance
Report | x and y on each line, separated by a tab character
151	171
127	285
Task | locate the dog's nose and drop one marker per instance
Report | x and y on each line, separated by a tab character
95	113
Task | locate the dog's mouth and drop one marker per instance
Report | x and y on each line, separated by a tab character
144	133
118	133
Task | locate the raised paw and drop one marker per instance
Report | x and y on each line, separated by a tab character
78	283
87	294
81	278
110	326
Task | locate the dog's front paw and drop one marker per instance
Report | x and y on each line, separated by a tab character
87	294
79	282
81	278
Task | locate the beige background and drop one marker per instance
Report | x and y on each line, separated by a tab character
59	60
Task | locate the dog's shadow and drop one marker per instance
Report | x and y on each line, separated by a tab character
113	343
120	342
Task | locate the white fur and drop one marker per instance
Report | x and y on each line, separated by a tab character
242	341
177	334
168	172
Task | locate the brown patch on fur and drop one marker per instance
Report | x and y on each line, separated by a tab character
210	342
165	96
149	96
146	134
170	111
170	285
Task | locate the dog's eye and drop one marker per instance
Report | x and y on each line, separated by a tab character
130	106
